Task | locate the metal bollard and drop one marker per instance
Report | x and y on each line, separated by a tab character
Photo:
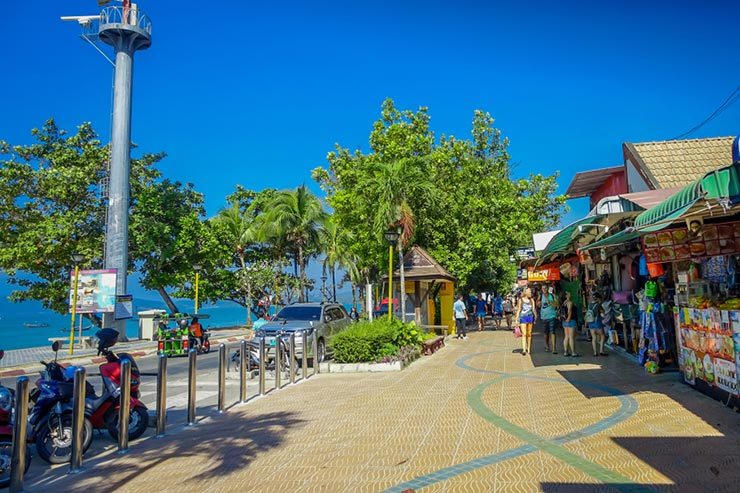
278	361
243	362
304	355
18	460
78	421
161	396
263	355
221	378
124	411
292	358
315	352
191	386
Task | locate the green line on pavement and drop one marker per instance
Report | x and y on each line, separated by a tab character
475	401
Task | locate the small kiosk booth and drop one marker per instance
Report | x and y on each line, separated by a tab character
426	283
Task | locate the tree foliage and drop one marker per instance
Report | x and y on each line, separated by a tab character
467	209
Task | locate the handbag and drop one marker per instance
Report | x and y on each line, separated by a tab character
517	331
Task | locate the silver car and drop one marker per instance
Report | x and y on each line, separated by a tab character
322	320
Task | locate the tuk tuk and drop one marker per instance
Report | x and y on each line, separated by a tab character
173	333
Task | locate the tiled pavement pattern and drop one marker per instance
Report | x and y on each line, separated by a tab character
477	416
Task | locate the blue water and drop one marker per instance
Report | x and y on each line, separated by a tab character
14	334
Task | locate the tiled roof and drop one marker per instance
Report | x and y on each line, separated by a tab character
676	163
420	266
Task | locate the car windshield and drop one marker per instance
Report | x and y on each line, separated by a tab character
300	313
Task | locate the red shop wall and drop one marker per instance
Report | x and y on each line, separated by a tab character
616	184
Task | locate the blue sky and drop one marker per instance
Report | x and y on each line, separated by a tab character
258	93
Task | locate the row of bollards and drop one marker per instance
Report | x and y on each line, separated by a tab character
18	459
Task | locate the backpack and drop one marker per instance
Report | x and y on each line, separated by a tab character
563	311
590	316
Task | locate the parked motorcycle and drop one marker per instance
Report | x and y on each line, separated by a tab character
7	402
102	411
50	419
254	355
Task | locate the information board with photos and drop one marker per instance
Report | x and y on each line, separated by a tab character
681	244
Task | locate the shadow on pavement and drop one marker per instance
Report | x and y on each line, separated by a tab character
217	447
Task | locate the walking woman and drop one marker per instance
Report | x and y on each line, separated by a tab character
594	318
526	313
568	315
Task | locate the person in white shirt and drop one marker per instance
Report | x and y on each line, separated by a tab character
461	317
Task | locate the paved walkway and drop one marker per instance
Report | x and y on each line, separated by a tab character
477	416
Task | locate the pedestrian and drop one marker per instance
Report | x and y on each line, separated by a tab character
568	317
480	311
594	319
497	310
508	307
549	317
526	315
461	317
353	315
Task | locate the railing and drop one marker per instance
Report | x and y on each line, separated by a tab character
127	16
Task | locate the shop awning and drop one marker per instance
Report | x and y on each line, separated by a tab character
624	236
561	242
722	183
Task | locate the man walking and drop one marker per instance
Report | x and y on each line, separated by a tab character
480	311
461	317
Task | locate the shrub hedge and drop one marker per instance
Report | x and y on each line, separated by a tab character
378	340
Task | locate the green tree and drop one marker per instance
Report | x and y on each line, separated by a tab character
53	204
294	219
467	209
335	243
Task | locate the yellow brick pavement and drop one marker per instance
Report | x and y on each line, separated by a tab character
475	417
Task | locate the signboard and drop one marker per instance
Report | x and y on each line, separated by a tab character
124	307
543	273
680	244
96	291
708	346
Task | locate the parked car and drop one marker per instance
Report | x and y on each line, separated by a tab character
322	320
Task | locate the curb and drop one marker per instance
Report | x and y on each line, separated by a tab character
33	368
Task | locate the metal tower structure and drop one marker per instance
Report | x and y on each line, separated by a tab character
127	30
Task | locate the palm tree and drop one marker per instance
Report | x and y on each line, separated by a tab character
395	185
296	216
335	243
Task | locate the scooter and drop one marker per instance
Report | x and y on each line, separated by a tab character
7	401
201	348
102	411
50	419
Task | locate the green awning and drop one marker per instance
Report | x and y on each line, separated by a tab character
561	242
722	183
624	236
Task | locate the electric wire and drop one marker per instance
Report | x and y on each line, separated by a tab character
729	101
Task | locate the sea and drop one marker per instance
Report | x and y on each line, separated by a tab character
29	324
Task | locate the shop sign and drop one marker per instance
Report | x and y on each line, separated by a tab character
709	345
682	244
544	273
96	291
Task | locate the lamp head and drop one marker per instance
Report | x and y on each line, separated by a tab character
391	236
77	258
197	267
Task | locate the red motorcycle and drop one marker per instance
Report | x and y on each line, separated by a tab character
102	411
7	399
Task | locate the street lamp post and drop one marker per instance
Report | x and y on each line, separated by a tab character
323	283
197	268
391	236
76	258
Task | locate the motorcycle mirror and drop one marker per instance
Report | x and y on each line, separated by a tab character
55	346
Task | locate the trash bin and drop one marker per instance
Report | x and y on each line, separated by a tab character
148	323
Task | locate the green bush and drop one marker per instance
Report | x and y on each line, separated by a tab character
377	340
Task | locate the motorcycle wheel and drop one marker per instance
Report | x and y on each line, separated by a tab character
6	455
54	442
207	347
138	422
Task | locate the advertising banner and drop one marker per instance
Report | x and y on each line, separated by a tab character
96	291
708	346
681	244
543	273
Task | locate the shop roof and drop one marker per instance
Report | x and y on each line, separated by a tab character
585	183
677	163
620	238
561	242
712	194
650	198
419	265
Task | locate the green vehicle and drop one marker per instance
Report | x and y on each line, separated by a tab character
173	333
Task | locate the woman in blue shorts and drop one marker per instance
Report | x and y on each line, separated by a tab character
594	314
526	314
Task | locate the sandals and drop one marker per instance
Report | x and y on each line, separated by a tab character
603	354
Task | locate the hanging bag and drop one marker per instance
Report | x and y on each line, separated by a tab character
517	331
